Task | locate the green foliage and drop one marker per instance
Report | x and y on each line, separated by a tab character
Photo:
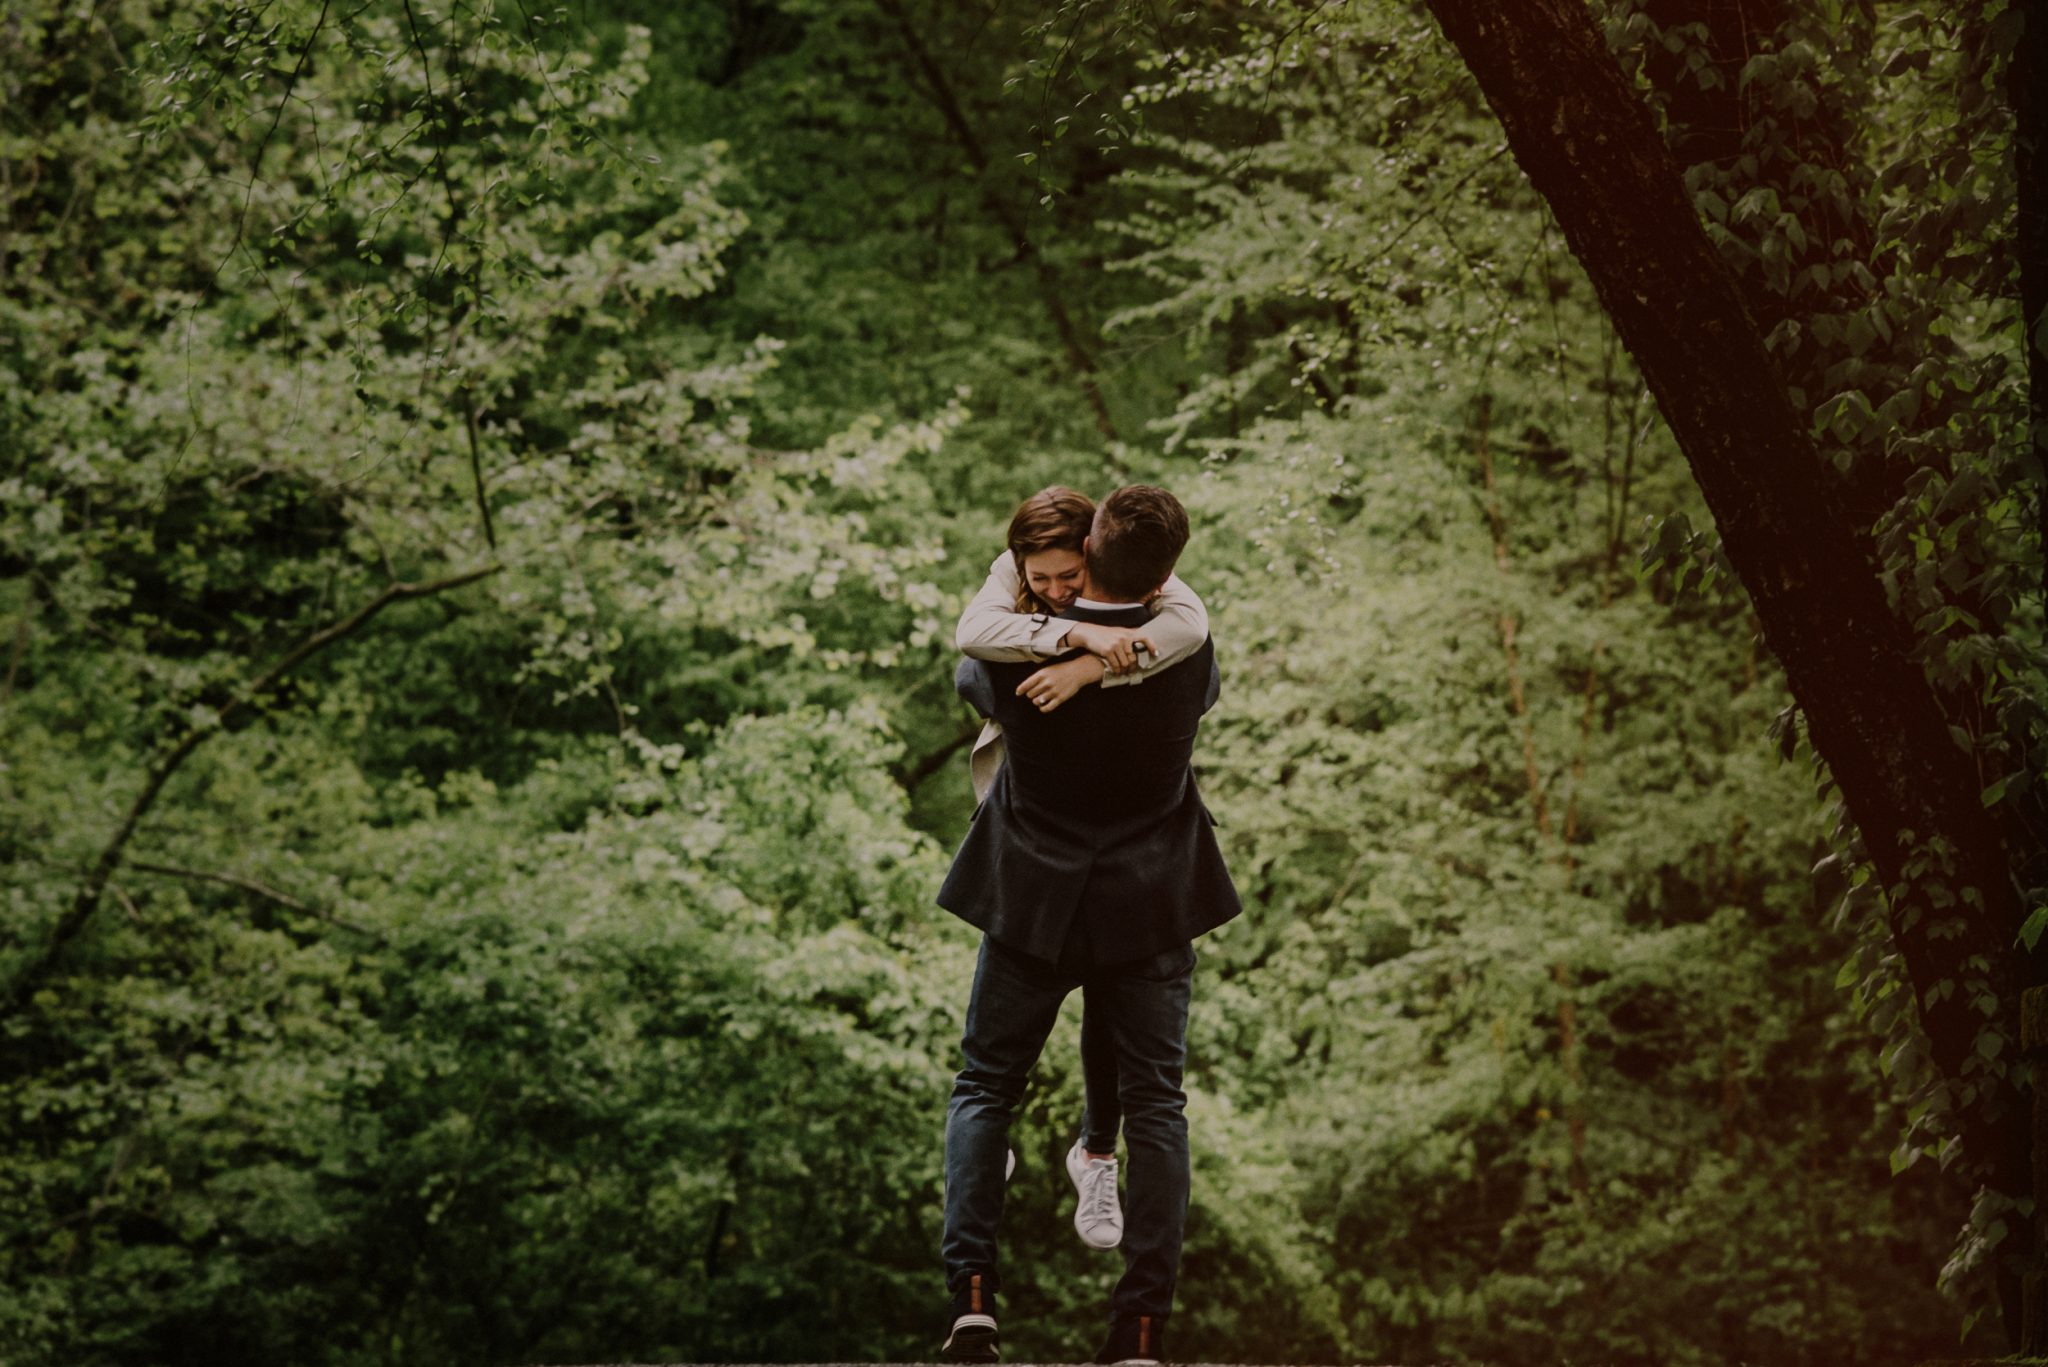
1429	937
582	1077
448	1002
1866	203
546	969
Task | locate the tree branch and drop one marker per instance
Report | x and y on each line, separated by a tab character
948	103
169	762
267	893
16	652
476	468
912	778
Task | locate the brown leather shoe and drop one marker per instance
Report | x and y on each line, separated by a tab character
1135	1341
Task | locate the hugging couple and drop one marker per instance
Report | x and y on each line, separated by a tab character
1090	864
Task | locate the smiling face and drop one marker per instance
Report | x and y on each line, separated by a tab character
1055	576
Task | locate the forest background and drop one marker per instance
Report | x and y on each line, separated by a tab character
486	495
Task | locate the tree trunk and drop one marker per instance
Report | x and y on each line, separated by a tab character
1588	144
2025	82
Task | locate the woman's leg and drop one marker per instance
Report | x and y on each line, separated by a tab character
1103	1113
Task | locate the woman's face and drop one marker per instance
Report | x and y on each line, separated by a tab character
1054	577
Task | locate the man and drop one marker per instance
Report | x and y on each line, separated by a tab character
1091	862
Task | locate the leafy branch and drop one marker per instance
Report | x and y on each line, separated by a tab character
260	890
172	759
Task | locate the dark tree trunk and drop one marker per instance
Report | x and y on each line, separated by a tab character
2027	84
1589	145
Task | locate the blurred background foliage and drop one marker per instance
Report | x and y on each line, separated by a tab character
543	966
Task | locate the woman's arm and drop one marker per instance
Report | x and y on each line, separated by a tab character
1178	629
1054	684
1179	625
991	628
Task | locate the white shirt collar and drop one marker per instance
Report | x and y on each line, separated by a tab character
1104	607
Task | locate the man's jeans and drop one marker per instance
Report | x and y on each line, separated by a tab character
1144	1006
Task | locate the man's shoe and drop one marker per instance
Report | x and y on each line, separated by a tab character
1099	1220
973	1335
1135	1341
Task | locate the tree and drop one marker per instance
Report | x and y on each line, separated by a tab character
1950	870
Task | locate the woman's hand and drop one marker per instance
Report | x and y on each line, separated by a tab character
1054	684
1117	647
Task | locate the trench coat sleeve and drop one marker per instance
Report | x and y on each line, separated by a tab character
1179	625
991	628
972	683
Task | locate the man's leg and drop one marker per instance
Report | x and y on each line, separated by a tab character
1146	1007
1010	1012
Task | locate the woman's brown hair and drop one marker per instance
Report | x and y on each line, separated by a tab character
1054	519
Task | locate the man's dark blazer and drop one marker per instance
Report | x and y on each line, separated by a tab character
1093	833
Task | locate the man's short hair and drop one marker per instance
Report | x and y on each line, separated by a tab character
1138	535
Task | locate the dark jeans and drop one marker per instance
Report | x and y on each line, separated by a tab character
1102	1113
1144	1008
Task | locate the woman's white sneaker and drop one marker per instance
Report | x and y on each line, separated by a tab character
1099	1219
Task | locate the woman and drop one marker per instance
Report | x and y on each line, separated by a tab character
1015	617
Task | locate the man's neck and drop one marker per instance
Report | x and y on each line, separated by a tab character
1092	596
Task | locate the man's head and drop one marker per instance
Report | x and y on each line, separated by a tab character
1137	536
